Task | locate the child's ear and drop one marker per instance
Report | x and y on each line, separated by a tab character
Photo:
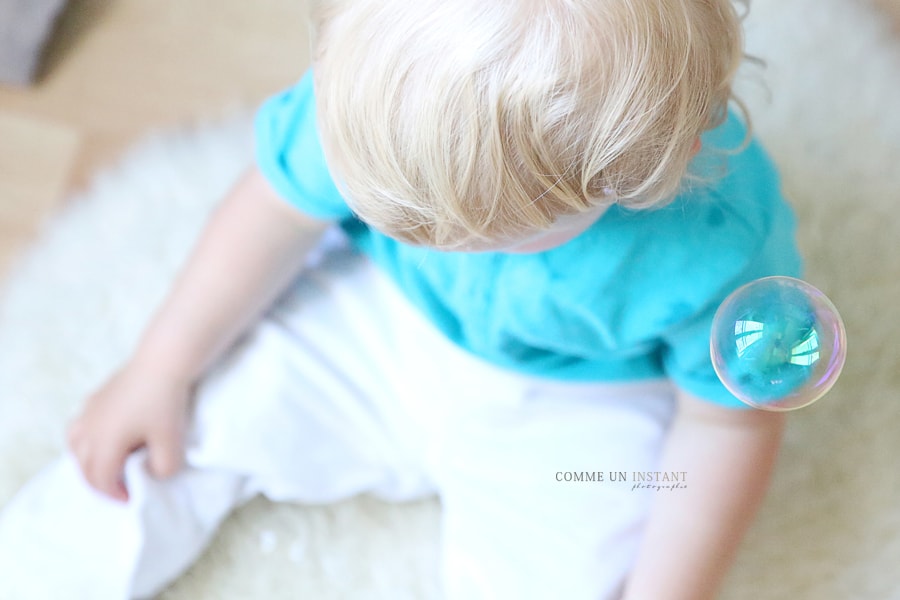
696	147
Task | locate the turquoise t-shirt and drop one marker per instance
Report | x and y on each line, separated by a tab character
630	298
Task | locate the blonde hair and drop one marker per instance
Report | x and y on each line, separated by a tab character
448	123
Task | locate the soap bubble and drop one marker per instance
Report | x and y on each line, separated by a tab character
778	344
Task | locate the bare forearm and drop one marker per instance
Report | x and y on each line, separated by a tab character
251	248
693	534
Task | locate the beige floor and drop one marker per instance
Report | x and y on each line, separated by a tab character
118	68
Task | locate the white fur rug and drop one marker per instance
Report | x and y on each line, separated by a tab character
830	528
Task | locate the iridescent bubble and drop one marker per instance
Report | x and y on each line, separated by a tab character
778	343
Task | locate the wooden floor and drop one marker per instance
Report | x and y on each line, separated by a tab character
116	69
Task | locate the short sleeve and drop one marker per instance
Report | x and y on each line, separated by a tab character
686	361
686	358
756	226
289	153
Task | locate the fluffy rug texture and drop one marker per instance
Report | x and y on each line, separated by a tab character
825	105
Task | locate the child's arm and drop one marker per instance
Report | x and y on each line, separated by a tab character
693	534
253	245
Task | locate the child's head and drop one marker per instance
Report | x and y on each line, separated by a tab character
461	124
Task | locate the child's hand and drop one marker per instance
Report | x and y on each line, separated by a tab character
254	244
134	409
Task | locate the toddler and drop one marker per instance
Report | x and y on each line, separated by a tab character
534	207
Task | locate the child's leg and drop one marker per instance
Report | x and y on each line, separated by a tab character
346	389
60	539
538	497
501	446
289	414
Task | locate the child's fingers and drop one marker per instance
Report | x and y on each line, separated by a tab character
95	460
103	470
166	448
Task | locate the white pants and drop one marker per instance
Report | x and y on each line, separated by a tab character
345	389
